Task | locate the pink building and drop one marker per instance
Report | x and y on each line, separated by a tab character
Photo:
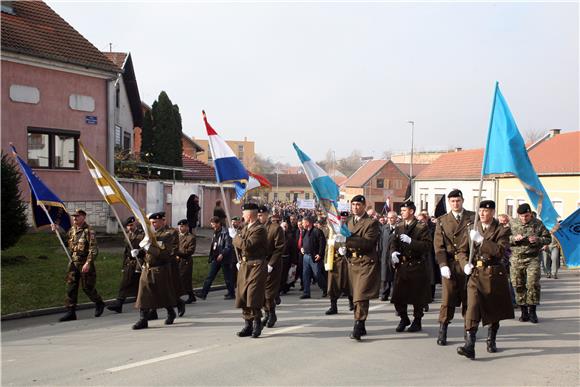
57	89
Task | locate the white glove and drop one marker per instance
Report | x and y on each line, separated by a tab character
135	253
395	257
340	238
232	231
476	236
270	268
238	266
342	251
468	268
405	238
445	272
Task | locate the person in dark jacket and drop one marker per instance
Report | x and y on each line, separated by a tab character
313	247
219	211
192	214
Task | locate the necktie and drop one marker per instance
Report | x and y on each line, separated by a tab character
458	218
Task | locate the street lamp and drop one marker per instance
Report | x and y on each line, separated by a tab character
411	165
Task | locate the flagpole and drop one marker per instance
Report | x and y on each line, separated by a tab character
124	233
57	233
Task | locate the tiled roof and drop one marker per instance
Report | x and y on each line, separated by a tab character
558	154
406	168
36	30
364	173
118	58
288	180
462	165
199	169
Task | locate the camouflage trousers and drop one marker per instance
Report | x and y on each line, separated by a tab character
87	281
525	276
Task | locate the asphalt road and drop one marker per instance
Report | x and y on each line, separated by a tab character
305	348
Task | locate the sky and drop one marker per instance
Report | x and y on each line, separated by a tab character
346	75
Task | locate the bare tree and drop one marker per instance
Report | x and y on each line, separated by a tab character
533	135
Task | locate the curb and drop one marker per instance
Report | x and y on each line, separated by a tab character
88	305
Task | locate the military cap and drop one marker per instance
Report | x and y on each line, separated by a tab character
162	213
79	211
456	193
524	208
250	207
359	199
130	220
182	222
487	204
344	213
236	218
156	216
409	204
263	210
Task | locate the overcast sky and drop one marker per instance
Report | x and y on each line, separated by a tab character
346	76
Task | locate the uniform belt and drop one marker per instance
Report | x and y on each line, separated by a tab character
246	259
354	253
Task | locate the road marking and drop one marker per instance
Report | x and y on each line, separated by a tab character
158	359
376	307
284	330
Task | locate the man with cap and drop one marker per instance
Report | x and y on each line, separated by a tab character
338	281
252	245
451	243
82	244
184	253
363	271
488	294
132	256
156	288
528	236
275	248
409	251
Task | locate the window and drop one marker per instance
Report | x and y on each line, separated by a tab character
387	183
127	141
397	184
241	152
307	195
558	206
275	196
117	96
509	207
380	183
288	196
52	148
118	131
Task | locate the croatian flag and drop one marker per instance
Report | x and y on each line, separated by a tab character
255	181
228	167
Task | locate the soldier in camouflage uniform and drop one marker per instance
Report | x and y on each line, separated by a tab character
83	248
528	237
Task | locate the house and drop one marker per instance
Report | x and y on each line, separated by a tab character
287	187
245	150
57	89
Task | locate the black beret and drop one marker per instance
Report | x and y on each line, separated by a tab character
162	213
487	204
409	204
156	216
524	208
182	221
359	199
263	209
456	193
79	211
344	213
236	218
130	220
250	206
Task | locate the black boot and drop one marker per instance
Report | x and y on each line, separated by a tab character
152	315
363	328
180	307
278	300
491	336
266	317
70	314
333	307
246	330
525	316
190	298
533	315
350	304
117	306
403	324
99	308
468	350
273	318
257	328
170	316
442	337
416	325
142	323
356	331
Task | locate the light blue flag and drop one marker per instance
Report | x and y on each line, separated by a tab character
505	152
569	237
325	190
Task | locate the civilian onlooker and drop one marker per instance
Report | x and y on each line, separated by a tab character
192	214
219	212
313	247
551	257
504	220
289	257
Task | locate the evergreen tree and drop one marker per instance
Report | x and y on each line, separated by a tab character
167	137
13	208
147	143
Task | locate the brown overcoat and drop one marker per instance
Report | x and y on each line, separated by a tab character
361	246
156	287
412	283
131	270
488	294
451	239
276	240
251	242
185	250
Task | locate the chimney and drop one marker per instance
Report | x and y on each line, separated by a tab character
458	149
554	132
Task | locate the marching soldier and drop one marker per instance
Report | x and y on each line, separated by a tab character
252	243
184	253
131	268
82	244
528	236
451	242
409	251
364	265
175	277
156	288
338	281
276	240
488	294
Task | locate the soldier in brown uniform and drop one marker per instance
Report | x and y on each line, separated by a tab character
131	267
338	281
156	288
276	240
364	266
83	248
451	242
488	294
251	242
184	253
409	251
175	277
